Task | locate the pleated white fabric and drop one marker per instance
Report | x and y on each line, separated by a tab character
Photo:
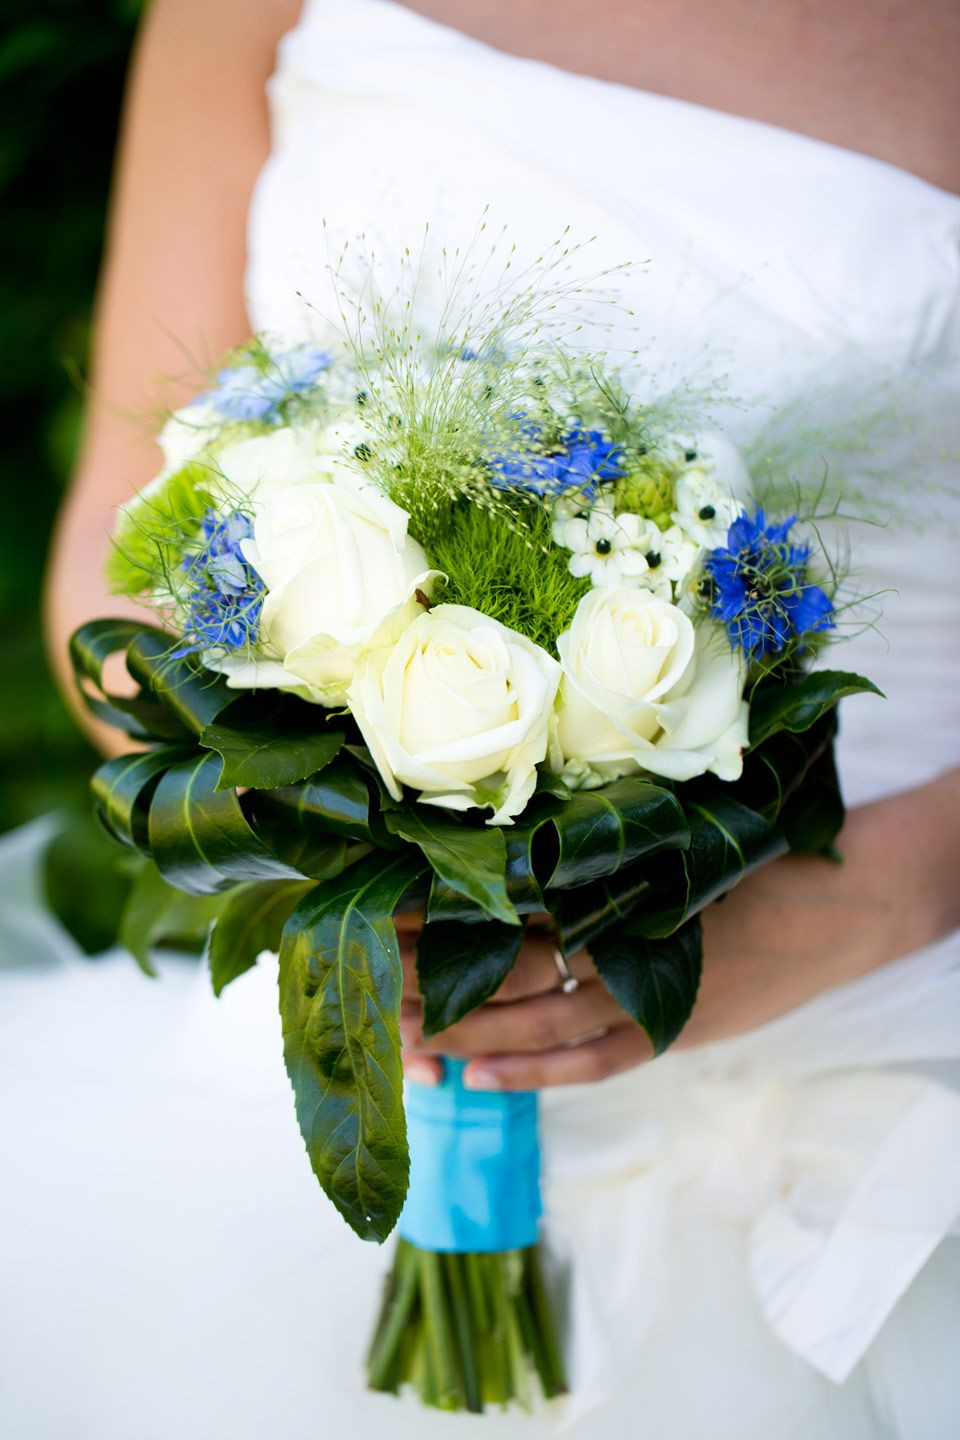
750	1240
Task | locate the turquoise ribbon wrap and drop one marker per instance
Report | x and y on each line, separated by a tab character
474	1167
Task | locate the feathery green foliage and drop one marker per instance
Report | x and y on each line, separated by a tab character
510	571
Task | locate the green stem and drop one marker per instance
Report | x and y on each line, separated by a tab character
478	1296
553	1374
398	1303
464	1331
440	1350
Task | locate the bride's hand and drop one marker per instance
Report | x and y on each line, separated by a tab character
792	929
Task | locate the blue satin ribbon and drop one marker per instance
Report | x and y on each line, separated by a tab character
474	1167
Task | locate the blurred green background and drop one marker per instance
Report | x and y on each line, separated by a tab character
62	66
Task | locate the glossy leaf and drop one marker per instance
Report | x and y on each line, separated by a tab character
194	695
267	760
157	915
523	887
654	981
472	862
93	644
336	802
138	716
122	789
600	830
460	966
199	836
813	816
584	912
778	768
800	704
250	920
340	987
727	841
312	854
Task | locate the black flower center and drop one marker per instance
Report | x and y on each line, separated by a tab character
707	512
603	547
654	558
689	455
362	451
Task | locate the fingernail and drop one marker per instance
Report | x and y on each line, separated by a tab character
421	1072
475	1077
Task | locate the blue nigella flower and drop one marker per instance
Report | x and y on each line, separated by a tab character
249	393
225	594
760	587
584	458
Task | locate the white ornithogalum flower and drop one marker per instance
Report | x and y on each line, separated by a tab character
670	559
710	490
608	549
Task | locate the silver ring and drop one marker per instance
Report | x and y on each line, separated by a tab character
568	981
599	1034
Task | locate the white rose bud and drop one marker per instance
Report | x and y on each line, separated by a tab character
341	574
460	709
643	689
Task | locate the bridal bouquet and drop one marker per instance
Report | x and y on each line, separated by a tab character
467	630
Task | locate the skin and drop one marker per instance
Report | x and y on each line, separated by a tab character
877	76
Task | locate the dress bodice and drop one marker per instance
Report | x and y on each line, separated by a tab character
776	261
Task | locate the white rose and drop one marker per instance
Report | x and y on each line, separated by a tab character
643	689
341	573
460	709
266	465
187	432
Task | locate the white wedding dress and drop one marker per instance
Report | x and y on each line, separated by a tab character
758	1232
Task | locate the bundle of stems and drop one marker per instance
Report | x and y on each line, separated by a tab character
466	1331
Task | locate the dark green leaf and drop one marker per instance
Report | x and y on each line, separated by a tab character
194	695
813	817
312	854
87	879
199	836
156	914
93	644
340	987
337	802
523	887
654	981
267	760
778	768
600	830
122	789
727	841
471	861
251	920
460	966
583	912
140	717
800	704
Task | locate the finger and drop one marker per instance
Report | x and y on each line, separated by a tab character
620	1049
536	971
408	959
527	1026
409	922
422	1069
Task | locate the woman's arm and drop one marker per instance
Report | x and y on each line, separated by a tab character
792	929
194	137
